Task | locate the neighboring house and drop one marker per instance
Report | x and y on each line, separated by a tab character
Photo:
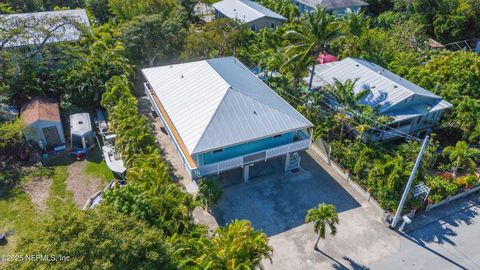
42	27
338	7
220	116
414	110
249	13
44	126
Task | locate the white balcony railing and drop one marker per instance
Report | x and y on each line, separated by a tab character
218	167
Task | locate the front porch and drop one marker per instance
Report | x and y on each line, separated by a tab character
292	159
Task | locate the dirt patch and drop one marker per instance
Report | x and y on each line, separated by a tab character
201	216
82	186
38	189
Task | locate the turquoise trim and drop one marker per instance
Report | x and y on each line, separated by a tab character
244	149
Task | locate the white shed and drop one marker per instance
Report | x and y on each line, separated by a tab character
82	135
44	126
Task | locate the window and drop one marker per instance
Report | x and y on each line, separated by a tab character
272	25
253	27
217	151
277	136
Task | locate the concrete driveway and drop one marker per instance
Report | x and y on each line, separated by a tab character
451	242
277	204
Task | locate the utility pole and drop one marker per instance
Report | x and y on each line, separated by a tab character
409	183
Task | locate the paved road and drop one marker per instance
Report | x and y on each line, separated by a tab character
449	243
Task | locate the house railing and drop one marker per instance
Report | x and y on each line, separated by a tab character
221	166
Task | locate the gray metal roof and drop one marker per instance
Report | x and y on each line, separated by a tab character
333	4
386	88
245	10
60	25
418	110
218	102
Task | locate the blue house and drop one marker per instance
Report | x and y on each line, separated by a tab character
220	116
338	7
413	109
249	13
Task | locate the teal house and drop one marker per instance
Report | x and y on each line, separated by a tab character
220	116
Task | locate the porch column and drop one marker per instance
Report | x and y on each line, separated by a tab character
287	161
246	172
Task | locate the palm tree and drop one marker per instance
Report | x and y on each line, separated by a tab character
344	94
354	25
296	71
323	215
209	193
362	128
235	246
462	156
312	37
342	119
346	99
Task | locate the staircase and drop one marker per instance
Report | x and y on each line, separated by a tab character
293	162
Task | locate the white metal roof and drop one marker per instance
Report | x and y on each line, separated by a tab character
60	24
218	102
387	88
333	4
80	124
245	10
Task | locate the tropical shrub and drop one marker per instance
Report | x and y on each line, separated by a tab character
441	188
100	239
210	192
235	246
467	181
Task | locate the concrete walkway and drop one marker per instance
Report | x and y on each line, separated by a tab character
169	152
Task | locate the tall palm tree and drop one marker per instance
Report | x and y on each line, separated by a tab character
354	25
348	102
318	30
322	216
462	156
296	71
344	94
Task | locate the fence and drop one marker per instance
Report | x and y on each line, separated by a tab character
323	149
452	198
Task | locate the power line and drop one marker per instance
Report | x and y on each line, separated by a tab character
382	124
398	132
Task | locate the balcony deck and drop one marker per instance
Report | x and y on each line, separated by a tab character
221	166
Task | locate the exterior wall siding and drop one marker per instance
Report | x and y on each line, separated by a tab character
265	22
243	149
35	133
339	11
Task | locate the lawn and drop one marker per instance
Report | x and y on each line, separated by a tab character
19	211
97	167
19	215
